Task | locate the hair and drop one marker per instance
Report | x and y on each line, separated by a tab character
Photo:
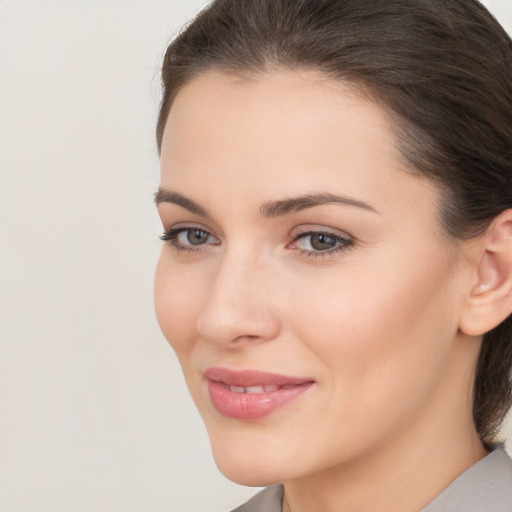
441	68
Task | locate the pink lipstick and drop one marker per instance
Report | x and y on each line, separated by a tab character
250	394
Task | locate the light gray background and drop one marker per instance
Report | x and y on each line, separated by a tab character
94	414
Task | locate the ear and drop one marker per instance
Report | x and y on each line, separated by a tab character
490	298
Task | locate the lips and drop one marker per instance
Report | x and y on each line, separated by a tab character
251	395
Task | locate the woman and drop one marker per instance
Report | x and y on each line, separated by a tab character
336	277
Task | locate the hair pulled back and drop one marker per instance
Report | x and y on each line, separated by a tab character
442	69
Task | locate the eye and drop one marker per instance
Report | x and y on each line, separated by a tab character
315	243
189	238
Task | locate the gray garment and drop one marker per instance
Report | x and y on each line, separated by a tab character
268	500
484	487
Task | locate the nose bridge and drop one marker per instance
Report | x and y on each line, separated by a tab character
238	305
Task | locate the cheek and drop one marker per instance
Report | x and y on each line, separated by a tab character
177	295
368	325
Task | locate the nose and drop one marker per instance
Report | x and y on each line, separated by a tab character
238	307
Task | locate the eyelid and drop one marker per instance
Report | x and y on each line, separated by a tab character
183	226
318	228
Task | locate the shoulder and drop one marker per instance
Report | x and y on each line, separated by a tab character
268	500
485	486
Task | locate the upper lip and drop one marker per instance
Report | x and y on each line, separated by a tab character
246	378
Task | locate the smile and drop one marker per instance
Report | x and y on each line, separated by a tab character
251	395
253	389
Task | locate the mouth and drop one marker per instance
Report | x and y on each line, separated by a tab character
268	388
251	395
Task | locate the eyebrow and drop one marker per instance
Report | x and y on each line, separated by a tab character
269	209
296	204
168	196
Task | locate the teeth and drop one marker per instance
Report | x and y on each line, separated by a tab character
269	388
254	389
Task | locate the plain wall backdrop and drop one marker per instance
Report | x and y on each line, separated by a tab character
94	413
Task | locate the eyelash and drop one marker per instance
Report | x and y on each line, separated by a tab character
171	236
343	244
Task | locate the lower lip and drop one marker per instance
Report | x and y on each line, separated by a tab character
252	406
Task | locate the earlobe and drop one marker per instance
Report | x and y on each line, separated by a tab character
490	298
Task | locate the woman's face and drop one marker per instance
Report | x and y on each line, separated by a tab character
305	283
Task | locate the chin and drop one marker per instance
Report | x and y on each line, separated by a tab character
251	475
252	462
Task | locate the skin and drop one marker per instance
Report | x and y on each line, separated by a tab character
375	325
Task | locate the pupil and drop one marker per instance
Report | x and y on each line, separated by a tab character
196	236
322	242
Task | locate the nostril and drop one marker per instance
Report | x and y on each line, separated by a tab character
246	337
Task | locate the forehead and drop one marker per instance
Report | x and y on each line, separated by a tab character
281	99
283	133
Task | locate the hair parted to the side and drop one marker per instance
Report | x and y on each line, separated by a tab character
442	68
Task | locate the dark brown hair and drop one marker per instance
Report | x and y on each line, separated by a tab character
442	68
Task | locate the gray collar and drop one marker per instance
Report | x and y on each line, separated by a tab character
485	486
